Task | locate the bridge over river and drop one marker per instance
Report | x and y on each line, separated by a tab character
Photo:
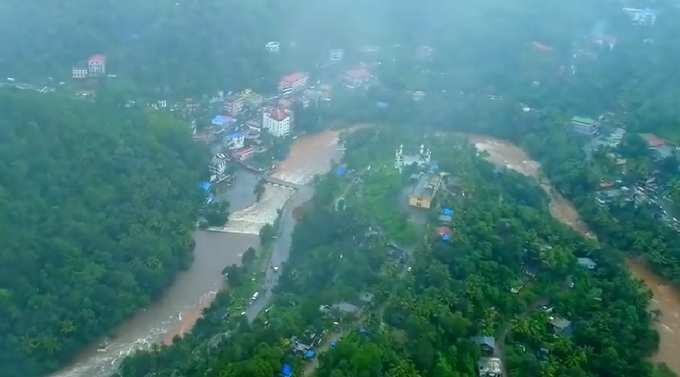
266	175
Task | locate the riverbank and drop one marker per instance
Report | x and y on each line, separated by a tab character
666	298
508	155
193	290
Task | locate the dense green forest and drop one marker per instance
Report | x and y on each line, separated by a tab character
96	212
429	300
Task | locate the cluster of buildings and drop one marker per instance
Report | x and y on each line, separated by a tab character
606	134
641	16
94	67
428	181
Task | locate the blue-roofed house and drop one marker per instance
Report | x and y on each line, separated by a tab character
235	140
205	186
222	120
447	211
286	370
341	170
309	354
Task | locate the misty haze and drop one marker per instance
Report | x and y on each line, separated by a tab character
339	188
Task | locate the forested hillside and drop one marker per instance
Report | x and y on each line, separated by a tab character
96	213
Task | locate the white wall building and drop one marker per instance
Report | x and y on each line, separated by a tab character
273	47
79	72
277	121
422	159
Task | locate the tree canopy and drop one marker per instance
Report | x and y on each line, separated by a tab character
96	213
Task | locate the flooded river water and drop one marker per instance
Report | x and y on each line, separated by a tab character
181	305
666	298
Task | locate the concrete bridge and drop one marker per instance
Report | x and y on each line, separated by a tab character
279	182
265	175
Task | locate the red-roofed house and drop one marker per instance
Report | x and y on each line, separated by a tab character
293	82
653	141
357	77
444	232
277	121
243	153
658	146
96	65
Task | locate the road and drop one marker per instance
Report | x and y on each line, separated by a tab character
281	250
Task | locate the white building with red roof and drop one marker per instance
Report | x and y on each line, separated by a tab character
357	77
96	65
277	121
293	82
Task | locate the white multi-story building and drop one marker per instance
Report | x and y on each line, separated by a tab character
96	65
234	105
277	121
79	72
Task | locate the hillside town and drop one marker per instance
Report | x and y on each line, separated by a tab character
252	130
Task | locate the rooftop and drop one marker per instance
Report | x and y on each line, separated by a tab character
488	341
293	78
560	323
587	263
653	141
278	114
489	366
583	121
97	59
359	73
346	307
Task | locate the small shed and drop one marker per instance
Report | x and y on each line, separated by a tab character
309	354
586	263
346	308
561	326
486	343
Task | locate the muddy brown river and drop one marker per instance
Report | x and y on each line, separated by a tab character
666	298
181	305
